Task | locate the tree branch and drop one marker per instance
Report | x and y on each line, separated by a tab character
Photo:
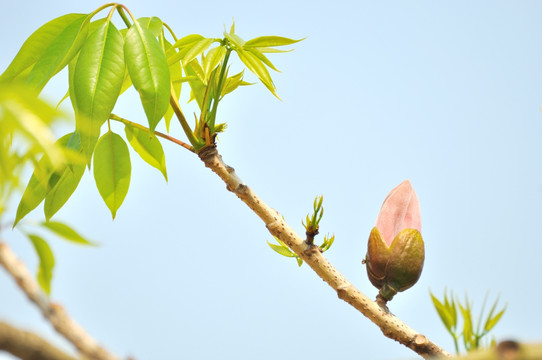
53	312
390	325
28	346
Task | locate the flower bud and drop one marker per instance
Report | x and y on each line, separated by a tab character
395	251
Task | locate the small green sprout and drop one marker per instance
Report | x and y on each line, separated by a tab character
311	225
471	334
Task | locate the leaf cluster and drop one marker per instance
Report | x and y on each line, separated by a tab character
104	61
311	226
474	329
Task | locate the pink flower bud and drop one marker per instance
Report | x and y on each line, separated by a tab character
395	252
400	210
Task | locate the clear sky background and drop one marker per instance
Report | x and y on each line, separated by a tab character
446	94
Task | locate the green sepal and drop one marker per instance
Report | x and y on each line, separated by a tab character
378	254
406	259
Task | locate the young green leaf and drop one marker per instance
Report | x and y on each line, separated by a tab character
149	71
235	40
59	53
188	40
468	328
262	57
196	84
212	59
112	170
148	147
265	41
154	24
443	313
36	44
38	185
493	320
66	232
284	251
196	49
97	81
67	183
256	66
47	262
233	82
63	190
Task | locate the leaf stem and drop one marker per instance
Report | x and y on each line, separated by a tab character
120	9
184	124
171	32
157	133
219	89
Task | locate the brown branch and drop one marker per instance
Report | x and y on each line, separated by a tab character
390	325
28	346
53	312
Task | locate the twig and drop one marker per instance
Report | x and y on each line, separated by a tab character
53	312
28	346
390	325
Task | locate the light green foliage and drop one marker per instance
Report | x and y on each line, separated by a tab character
97	80
26	139
149	71
112	170
59	53
313	222
35	46
103	61
66	232
148	147
474	329
46	264
311	228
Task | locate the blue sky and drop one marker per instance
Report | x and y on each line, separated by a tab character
446	94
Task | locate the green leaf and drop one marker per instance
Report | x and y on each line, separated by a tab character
154	24
112	170
196	84
443	313
256	66
187	40
272	50
47	262
235	40
281	249
263	58
97	80
468	329
265	41
196	49
31	118
148	147
493	320
299	261
59	53
212	59
67	183
36	44
149	72
38	185
66	232
233	82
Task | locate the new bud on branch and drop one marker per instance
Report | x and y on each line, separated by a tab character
395	252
